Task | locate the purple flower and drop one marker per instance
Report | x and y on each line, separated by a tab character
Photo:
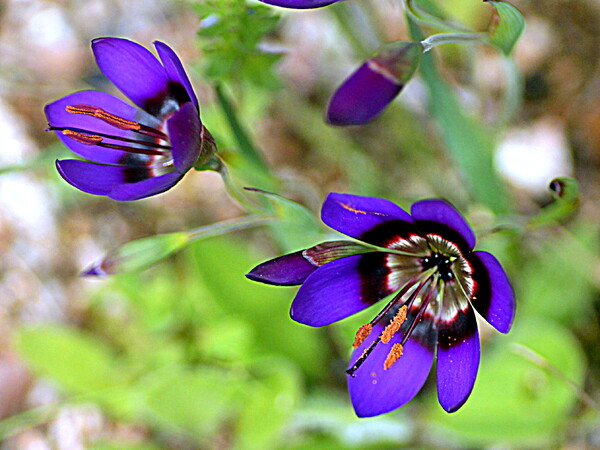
300	4
133	153
424	261
365	93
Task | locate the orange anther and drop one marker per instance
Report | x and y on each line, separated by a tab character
394	325
362	333
393	356
88	139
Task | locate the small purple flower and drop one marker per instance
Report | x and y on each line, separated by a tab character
300	4
425	262
365	93
133	153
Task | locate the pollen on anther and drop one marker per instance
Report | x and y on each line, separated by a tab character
394	325
88	139
393	356
362	333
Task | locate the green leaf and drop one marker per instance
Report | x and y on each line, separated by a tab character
268	405
195	402
507	27
515	401
221	264
78	362
469	141
565	192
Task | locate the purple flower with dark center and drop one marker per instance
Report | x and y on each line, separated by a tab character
425	264
300	4
132	152
373	86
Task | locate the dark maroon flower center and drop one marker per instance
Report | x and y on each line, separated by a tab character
443	264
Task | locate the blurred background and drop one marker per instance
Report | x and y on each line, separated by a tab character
190	354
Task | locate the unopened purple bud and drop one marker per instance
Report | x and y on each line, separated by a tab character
375	84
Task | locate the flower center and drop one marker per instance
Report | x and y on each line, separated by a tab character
442	263
149	141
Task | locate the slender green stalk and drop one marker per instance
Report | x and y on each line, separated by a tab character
343	18
246	147
228	226
232	189
450	38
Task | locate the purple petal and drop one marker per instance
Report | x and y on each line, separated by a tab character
287	270
299	4
493	295
362	96
59	117
440	217
145	188
134	70
341	288
358	216
119	183
457	359
185	133
92	178
374	390
175	70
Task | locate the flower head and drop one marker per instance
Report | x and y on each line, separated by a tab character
300	4
373	86
132	152
425	264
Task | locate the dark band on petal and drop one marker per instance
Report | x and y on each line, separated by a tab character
388	232
374	273
454	331
482	287
135	174
156	105
449	234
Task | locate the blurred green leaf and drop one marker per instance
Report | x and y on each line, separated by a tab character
195	402
515	401
268	405
565	192
507	27
221	264
469	141
78	362
558	281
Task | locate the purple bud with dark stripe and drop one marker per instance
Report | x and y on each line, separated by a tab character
365	94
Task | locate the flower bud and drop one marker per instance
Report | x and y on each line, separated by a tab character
375	84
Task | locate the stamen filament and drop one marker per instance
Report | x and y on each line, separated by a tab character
93	139
109	136
363	357
422	310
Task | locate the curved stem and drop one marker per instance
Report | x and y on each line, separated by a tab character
232	190
450	38
228	226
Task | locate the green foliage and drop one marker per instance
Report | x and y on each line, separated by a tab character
230	34
507	27
515	401
469	141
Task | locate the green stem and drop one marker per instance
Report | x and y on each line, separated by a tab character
228	226
232	190
246	148
422	17
450	38
344	19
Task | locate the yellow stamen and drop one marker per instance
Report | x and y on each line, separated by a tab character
94	111
88	139
362	333
393	356
394	326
